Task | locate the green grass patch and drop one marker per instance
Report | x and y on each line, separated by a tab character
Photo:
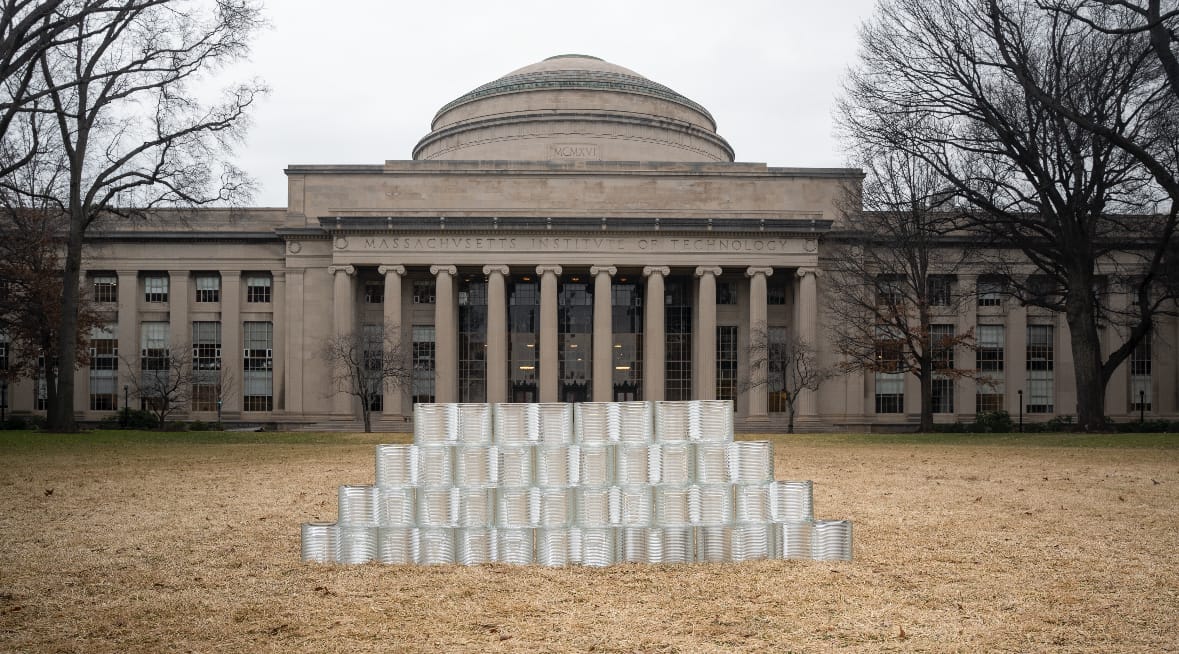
1114	440
36	440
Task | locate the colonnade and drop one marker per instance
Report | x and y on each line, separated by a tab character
704	341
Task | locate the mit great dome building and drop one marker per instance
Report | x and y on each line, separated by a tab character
571	231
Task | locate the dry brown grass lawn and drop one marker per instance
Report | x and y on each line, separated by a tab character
195	547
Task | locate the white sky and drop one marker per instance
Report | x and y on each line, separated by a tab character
358	81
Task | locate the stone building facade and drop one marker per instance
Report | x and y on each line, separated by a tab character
569	232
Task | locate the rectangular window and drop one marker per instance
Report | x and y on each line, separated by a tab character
890	290
939	288
423	291
374	354
726	293
104	369
677	316
41	398
776	370
890	375
257	366
989	356
726	362
1040	381
941	343
206	365
1140	370
990	290
423	363
208	288
258	288
155	288
106	288
374	292
472	339
3	351
942	395
155	363
776	294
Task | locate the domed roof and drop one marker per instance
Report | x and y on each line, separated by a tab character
573	106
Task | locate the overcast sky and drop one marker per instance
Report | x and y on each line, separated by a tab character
358	81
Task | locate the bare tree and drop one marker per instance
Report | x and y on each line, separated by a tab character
365	365
785	368
893	272
934	82
120	100
163	382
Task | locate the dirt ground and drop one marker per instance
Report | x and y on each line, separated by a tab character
195	547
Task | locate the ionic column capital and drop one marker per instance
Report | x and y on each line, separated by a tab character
708	270
803	272
440	270
496	268
391	269
548	268
346	269
754	271
609	270
662	271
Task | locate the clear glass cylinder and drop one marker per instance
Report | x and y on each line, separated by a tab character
474	424
435	546
515	508
751	462
318	542
750	542
710	463
636	422
632	545
397	465
356	544
514	546
515	424
751	503
714	421
515	466
555	507
679	545
555	423
436	507
673	421
358	506
397	545
713	544
598	546
595	423
435	424
436	466
595	465
673	464
552	547
712	505
474	507
474	546
634	463
831	540
555	466
596	507
636	505
792	540
396	506
673	506
791	501
475	466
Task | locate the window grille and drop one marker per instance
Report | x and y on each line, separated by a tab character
208	288
155	288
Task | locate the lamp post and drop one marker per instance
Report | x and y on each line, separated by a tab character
1020	392
1141	406
126	405
218	414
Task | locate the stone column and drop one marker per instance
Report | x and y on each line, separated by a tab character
808	329
343	306
603	341
293	382
654	334
128	330
497	333
547	381
231	340
445	335
391	307
705	355
278	319
758	343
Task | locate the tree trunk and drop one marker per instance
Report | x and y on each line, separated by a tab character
1087	364
367	414
61	416
790	415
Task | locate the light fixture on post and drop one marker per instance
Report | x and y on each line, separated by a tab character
1020	392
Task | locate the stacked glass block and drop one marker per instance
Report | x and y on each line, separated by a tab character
592	484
